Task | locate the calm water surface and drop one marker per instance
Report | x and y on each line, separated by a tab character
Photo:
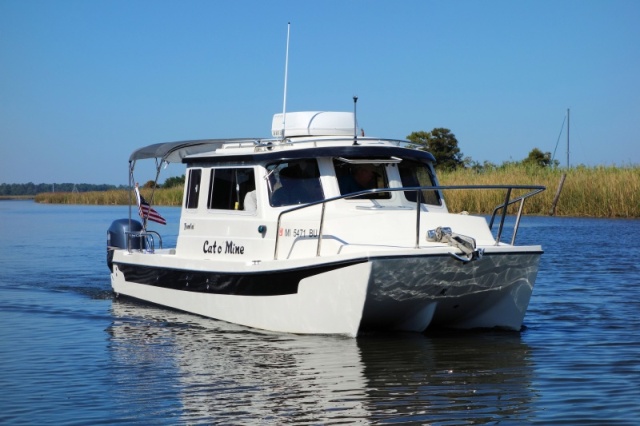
71	354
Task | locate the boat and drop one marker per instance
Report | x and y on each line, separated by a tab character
319	229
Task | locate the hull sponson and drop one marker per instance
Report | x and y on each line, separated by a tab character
413	293
329	302
270	283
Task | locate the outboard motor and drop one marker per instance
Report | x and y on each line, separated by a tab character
117	237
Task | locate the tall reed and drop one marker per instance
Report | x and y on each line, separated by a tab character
603	191
165	197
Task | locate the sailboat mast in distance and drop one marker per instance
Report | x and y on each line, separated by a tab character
568	137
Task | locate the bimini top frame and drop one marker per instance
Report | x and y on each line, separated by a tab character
174	152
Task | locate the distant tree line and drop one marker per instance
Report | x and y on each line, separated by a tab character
169	183
444	146
34	189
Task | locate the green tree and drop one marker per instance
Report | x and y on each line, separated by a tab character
476	166
173	181
539	158
442	144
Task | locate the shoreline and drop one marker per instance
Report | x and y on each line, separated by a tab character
589	192
16	197
527	212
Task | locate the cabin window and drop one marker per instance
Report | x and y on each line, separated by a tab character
193	189
232	189
294	182
359	176
414	174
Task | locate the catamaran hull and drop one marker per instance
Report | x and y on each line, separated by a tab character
409	292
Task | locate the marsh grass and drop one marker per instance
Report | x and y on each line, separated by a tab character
612	192
164	197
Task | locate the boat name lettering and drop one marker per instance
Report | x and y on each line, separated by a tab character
189	226
299	233
229	248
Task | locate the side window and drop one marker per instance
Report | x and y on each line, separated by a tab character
356	177
294	182
415	174
193	188
232	189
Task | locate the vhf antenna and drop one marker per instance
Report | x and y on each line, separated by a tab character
355	121
286	71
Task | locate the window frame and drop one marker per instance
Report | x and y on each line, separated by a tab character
313	182
346	179
233	189
192	193
426	195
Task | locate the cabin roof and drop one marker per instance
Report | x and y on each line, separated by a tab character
211	150
352	151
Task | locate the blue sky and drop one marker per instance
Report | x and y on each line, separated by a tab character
83	83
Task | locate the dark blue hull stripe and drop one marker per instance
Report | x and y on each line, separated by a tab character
270	283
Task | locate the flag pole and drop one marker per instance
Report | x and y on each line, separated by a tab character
138	202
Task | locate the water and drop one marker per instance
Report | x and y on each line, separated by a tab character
71	354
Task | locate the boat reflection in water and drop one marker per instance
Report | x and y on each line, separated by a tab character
178	367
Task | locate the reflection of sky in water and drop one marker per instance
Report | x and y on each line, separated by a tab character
228	373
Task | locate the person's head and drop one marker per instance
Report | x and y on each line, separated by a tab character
364	175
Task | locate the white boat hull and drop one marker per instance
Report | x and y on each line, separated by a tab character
405	291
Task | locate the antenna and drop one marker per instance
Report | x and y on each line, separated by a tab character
286	72
355	121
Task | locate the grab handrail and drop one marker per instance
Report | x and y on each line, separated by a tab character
506	204
535	189
147	241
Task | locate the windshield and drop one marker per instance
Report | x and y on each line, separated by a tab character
294	182
413	174
355	177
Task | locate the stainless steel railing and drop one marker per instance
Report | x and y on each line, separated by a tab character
533	190
145	240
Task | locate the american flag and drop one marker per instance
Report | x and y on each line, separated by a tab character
146	211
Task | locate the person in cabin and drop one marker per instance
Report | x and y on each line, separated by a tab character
250	202
362	177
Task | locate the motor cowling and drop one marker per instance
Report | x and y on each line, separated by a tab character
117	237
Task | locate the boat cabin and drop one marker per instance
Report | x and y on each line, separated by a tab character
244	195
